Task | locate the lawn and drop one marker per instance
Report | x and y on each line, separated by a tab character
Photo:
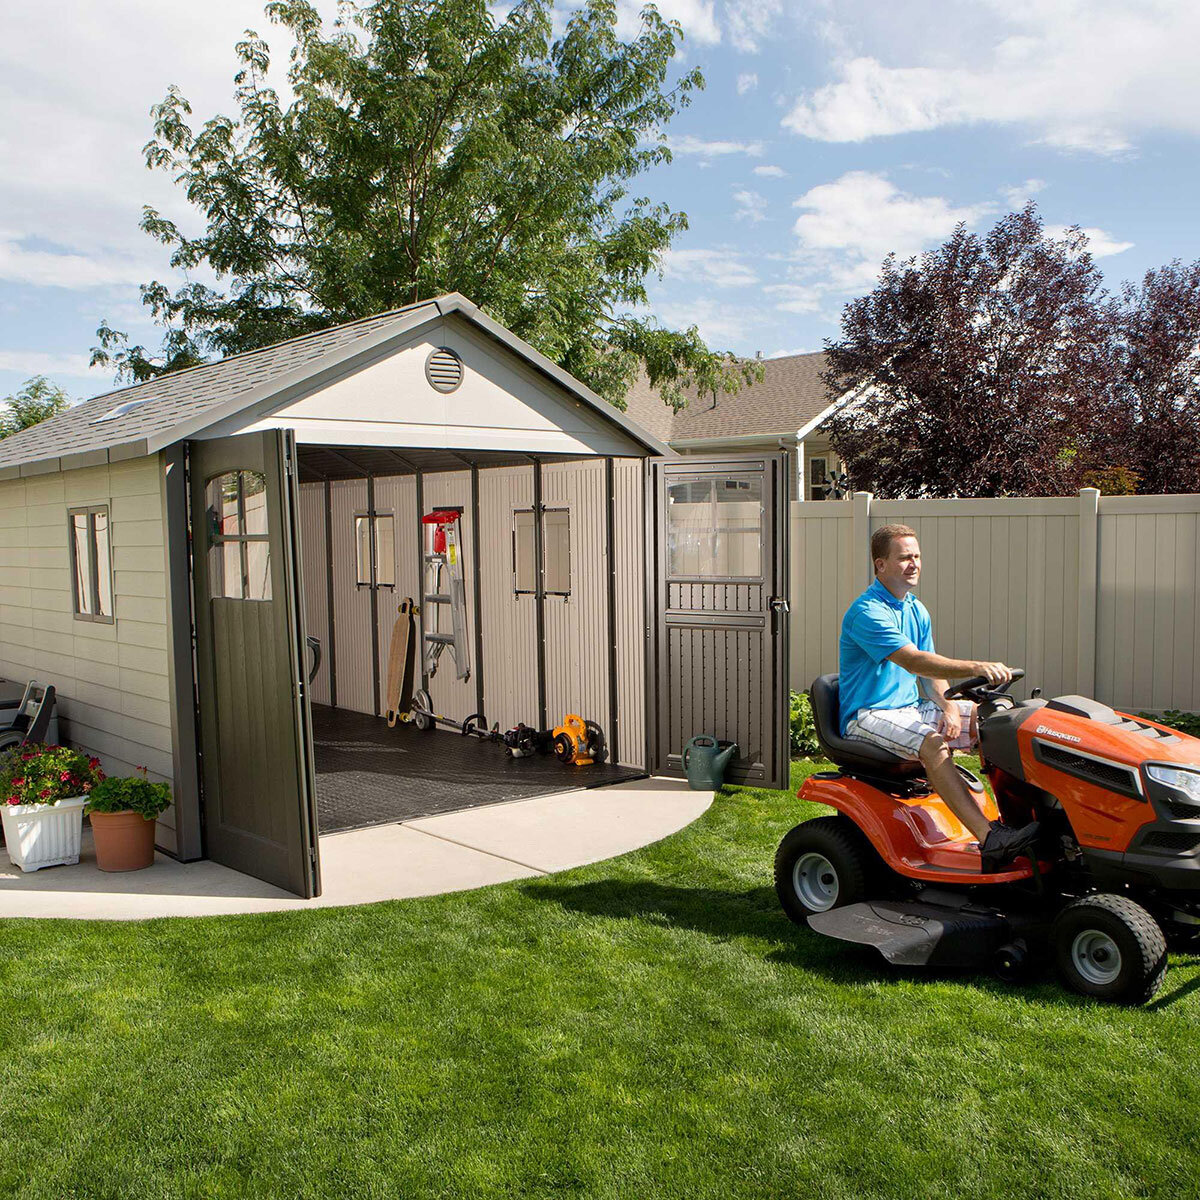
651	1026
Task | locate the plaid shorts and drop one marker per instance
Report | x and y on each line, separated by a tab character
902	730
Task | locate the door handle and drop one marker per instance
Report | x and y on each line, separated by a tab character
779	605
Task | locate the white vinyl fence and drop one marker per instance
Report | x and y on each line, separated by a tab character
1091	594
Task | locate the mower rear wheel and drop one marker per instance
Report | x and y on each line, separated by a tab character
822	864
1111	948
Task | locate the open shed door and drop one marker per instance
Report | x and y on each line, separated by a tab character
255	725
718	615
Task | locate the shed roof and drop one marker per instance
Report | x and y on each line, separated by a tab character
788	397
145	417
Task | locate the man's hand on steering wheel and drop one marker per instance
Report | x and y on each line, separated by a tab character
996	673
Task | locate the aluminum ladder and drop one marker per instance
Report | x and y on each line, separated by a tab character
444	587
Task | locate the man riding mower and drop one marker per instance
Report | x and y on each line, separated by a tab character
1098	815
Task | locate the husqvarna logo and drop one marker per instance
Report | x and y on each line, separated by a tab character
1066	737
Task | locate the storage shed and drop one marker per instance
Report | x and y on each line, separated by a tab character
209	567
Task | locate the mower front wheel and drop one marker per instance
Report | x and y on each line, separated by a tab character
1110	948
822	864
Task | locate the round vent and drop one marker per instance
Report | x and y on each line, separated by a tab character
443	369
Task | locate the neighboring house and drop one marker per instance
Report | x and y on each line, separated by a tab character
786	410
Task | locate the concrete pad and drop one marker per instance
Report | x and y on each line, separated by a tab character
454	852
552	833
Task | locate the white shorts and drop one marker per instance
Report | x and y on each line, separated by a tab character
902	730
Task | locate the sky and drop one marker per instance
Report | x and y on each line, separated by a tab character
830	133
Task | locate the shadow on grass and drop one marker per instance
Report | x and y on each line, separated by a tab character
755	914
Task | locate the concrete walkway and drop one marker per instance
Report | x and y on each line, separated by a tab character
521	839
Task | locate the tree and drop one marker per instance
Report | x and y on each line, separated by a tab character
432	148
1157	349
37	400
984	368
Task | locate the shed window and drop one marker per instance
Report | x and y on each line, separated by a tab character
91	562
556	552
239	555
380	528
714	528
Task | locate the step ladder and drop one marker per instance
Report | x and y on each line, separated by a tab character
443	588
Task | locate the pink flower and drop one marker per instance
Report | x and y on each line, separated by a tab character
44	793
19	782
64	776
14	799
87	787
93	763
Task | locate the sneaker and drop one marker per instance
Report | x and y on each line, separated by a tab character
1003	844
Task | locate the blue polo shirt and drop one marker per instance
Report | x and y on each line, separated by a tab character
876	625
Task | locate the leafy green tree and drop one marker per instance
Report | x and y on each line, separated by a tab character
36	400
430	147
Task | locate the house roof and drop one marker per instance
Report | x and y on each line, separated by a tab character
790	395
146	417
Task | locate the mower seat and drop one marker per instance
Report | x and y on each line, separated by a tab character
852	753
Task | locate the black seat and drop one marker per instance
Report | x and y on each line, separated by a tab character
852	753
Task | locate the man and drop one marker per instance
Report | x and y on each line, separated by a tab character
886	645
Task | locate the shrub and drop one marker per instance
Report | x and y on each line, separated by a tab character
802	728
1185	722
130	793
40	774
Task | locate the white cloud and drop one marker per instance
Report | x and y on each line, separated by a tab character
43	268
696	17
1080	75
866	215
750	21
1017	197
750	206
689	144
790	353
1100	243
847	227
721	324
746	83
719	267
36	362
771	172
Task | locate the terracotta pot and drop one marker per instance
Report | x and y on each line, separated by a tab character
124	840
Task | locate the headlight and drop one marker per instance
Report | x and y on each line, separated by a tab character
1185	780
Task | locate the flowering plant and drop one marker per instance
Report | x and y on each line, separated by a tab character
132	793
37	774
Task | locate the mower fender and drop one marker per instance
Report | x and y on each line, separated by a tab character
861	803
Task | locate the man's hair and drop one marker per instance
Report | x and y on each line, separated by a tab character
882	538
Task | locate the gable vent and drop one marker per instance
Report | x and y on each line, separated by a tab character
444	369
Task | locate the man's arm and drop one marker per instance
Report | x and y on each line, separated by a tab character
938	668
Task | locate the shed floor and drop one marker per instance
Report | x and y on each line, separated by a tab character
368	774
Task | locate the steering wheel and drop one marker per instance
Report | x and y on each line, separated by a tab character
979	684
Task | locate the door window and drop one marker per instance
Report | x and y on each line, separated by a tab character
714	527
239	554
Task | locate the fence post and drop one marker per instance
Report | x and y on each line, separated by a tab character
861	532
1089	521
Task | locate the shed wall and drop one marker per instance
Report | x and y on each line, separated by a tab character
112	680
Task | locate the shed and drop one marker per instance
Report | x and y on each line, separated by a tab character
209	567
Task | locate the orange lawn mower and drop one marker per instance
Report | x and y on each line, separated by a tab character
1113	876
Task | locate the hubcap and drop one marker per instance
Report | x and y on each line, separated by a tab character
815	882
1096	956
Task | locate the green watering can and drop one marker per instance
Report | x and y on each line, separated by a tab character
705	760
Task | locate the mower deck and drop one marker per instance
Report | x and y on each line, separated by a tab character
936	928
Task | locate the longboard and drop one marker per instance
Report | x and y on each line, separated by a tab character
398	696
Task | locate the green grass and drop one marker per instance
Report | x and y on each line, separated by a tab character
650	1026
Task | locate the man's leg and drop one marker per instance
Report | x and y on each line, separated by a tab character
939	766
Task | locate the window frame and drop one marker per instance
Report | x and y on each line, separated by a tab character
90	511
540	576
217	541
817	485
373	544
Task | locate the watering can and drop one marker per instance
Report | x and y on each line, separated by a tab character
705	760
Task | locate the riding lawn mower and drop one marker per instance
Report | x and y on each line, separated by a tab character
1112	879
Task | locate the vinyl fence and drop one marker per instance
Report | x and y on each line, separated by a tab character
1091	594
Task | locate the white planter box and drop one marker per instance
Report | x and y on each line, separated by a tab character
43	835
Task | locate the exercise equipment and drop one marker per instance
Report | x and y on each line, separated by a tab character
398	697
444	587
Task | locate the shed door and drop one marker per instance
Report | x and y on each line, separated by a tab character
255	727
718	630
